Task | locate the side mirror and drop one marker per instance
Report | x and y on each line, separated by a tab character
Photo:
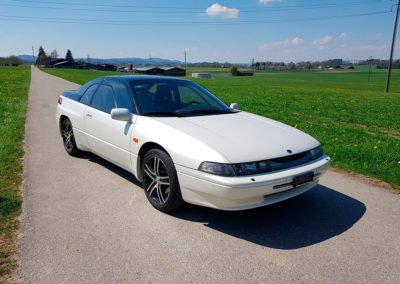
122	114
234	106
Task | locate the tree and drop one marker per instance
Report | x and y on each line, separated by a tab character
68	56
41	52
41	55
292	66
235	70
10	61
14	60
308	65
54	54
44	60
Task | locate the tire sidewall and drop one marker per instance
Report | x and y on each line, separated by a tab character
74	151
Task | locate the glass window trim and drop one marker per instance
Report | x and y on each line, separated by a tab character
80	100
135	105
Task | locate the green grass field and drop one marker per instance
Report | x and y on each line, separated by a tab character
356	122
14	85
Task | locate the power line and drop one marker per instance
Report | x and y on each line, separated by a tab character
242	9
141	23
171	11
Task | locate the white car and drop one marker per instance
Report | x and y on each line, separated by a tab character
186	145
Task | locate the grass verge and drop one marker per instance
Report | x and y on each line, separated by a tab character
14	82
356	122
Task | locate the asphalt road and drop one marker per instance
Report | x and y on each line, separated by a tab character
87	221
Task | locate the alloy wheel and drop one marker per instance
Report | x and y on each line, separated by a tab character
68	136
156	180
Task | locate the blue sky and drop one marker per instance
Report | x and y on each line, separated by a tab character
217	30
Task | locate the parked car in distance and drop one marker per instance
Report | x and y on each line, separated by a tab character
186	145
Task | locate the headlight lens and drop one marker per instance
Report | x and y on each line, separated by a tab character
217	169
316	152
253	168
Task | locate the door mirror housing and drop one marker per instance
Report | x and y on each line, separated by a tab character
122	114
234	106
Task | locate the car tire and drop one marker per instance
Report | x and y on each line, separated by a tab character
67	134
160	181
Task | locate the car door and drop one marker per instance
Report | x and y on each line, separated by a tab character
85	102
107	137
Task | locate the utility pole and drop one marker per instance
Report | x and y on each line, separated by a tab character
252	65
369	71
33	56
392	49
185	61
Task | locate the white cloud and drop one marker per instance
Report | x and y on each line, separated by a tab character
216	10
296	41
323	41
267	1
288	42
343	35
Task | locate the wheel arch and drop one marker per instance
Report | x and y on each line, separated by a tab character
60	121
146	147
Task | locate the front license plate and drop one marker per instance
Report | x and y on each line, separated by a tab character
302	179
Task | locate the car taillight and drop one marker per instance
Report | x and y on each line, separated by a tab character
59	100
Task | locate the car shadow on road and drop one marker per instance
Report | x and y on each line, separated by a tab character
110	166
305	220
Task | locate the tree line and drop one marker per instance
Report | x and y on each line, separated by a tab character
10	61
45	59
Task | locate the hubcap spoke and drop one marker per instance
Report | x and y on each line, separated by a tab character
157	166
149	172
159	193
163	183
152	189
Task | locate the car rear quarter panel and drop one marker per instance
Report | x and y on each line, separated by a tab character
74	111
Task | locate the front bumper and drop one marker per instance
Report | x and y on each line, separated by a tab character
246	192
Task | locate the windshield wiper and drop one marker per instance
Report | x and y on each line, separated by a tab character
210	111
164	113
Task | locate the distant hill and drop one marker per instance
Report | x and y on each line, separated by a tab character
120	61
26	58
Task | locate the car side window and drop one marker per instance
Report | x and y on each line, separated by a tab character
87	96
104	99
123	96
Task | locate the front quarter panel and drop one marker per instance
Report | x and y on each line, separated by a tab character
183	149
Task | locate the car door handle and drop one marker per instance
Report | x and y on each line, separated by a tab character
89	115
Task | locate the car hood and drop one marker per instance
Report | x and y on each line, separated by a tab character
243	137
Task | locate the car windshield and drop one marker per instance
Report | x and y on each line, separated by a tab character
169	97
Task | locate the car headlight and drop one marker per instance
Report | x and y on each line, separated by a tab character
252	168
217	169
316	152
231	170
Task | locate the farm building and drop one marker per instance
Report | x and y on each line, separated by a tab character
61	63
161	71
64	63
106	67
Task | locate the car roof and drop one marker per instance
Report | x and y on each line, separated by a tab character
141	77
